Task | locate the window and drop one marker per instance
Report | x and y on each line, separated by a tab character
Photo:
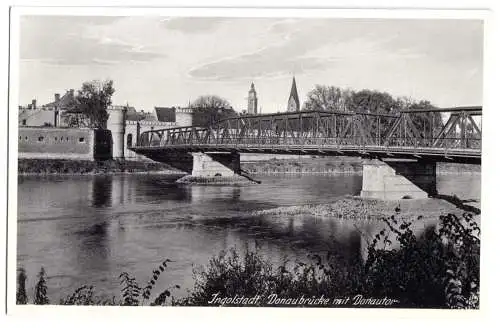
40	138
24	122
55	138
20	137
129	140
82	139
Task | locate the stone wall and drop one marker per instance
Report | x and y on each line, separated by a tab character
62	143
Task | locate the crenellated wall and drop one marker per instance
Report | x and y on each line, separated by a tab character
132	131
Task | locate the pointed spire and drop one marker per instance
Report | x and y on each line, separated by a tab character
293	100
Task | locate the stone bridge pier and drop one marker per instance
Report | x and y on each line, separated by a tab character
213	164
391	179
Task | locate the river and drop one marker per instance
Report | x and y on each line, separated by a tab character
89	229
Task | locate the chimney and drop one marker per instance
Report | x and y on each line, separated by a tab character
57	97
138	134
33	104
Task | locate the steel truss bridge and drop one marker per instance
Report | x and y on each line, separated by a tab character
417	134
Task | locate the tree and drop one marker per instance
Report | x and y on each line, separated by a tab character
328	98
429	124
331	98
209	109
92	100
373	101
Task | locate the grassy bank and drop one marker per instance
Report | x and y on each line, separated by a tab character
439	269
78	167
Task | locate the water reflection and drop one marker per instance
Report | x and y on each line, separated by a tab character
90	229
102	189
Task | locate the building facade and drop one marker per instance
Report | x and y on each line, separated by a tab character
126	125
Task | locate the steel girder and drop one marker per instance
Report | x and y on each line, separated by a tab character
324	128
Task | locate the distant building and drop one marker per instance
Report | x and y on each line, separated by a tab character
125	124
46	115
293	99
252	101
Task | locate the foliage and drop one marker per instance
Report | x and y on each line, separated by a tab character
131	293
209	109
92	100
41	289
21	297
331	98
328	98
84	295
61	166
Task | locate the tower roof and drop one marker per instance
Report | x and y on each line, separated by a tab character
294	94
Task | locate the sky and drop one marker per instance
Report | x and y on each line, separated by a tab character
169	61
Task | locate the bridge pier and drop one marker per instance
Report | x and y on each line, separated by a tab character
212	164
392	179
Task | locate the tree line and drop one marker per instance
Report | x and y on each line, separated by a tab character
331	98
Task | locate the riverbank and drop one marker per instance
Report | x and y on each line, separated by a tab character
356	208
334	165
43	167
297	165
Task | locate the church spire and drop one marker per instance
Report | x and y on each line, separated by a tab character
293	100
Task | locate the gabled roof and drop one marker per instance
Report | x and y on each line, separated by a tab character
64	102
165	114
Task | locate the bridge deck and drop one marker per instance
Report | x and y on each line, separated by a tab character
418	134
471	156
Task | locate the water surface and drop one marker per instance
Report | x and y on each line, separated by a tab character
87	230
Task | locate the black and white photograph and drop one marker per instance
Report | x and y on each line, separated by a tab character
258	158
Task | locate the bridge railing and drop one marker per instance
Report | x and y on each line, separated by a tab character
152	139
408	129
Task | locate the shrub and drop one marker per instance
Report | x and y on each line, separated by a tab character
131	293
41	289
21	297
